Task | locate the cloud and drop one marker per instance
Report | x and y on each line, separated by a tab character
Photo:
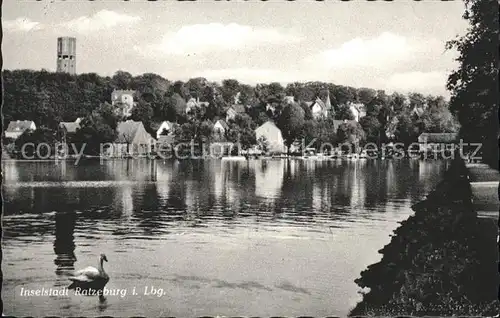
101	20
387	61
431	82
21	25
381	52
203	38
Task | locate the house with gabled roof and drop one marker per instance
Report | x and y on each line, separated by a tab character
234	110
164	128
272	136
391	128
338	122
221	126
18	127
132	139
68	129
437	141
194	103
289	99
417	112
165	144
320	108
123	99
358	110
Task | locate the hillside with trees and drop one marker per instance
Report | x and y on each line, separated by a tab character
49	98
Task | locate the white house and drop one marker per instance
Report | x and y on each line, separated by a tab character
272	135
195	102
220	127
68	129
234	110
289	99
320	108
18	127
123	99
132	139
418	112
358	111
437	141
164	126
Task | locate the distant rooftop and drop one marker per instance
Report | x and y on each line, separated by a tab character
19	125
438	137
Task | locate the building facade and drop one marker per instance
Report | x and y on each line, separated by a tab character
66	55
320	108
18	127
433	142
193	103
68	129
272	136
358	111
234	110
124	100
132	140
164	128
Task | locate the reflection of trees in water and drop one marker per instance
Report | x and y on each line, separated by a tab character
176	197
345	187
296	186
223	189
18	200
131	169
147	210
269	175
155	205
10	172
134	174
64	242
199	191
376	183
333	186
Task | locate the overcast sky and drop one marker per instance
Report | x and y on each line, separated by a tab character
396	45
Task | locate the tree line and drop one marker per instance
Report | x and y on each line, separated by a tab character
474	84
48	98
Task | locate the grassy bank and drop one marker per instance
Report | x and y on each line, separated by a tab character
441	262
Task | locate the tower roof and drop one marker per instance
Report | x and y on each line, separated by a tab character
327	102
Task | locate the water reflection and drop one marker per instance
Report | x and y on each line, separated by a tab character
64	243
268	178
218	220
127	189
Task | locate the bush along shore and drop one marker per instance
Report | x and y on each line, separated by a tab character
441	261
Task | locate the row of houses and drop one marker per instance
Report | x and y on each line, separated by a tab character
132	135
133	138
124	101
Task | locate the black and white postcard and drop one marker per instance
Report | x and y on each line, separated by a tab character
250	158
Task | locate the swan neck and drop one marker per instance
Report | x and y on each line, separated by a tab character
101	262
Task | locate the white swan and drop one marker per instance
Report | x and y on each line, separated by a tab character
91	277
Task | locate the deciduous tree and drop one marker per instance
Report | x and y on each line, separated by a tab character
291	121
474	85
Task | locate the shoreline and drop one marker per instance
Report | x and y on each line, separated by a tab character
441	261
235	158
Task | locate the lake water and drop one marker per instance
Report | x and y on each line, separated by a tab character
256	238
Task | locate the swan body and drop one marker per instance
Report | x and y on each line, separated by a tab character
90	277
